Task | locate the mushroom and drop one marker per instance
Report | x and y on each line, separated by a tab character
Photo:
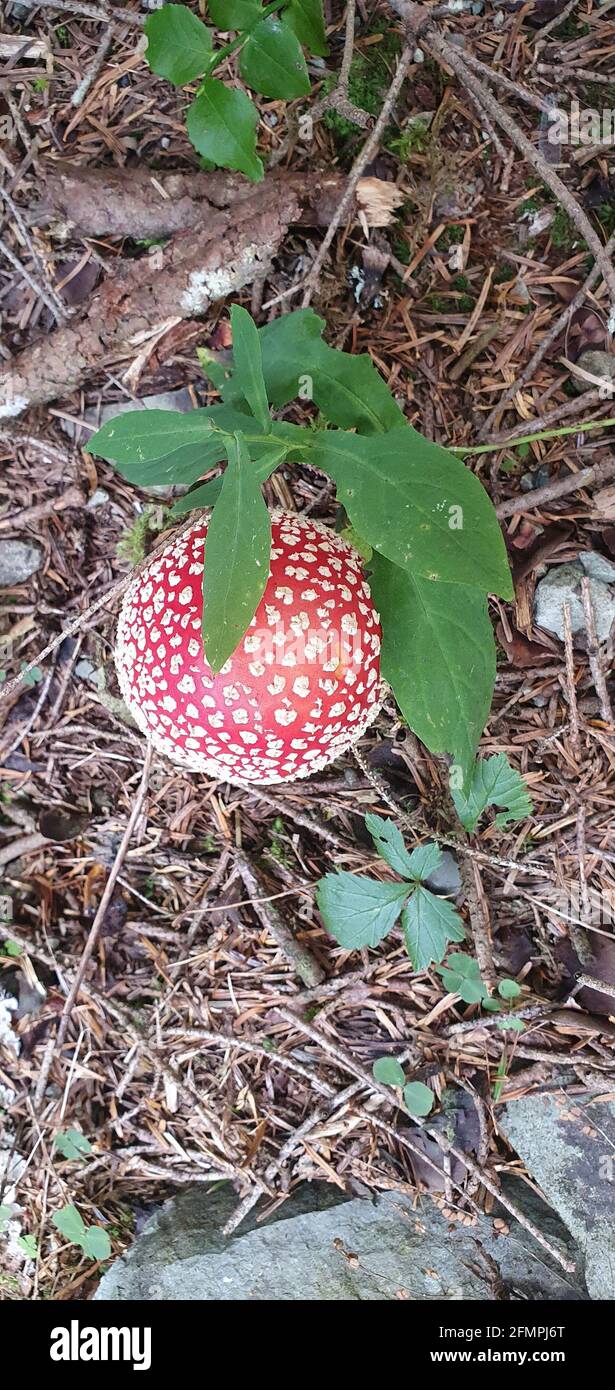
299	690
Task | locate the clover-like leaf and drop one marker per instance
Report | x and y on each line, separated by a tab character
429	924
516	1025
272	61
70	1224
388	1071
72	1144
461	975
493	783
509	990
221	123
96	1243
178	44
359	911
419	1099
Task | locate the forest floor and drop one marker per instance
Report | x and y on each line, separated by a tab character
186	1057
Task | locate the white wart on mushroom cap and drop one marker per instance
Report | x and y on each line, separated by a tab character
299	690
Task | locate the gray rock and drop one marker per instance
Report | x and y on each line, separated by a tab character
600	364
18	561
563	585
99	498
447	878
301	1253
597	566
571	1157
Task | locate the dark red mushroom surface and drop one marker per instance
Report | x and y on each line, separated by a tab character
300	688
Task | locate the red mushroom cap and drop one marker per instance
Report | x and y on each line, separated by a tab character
300	688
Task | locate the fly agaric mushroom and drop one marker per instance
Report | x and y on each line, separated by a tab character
299	690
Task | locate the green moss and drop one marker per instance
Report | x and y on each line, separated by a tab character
414	139
562	231
134	544
504	274
451	236
370	78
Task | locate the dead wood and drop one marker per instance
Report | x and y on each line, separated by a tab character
146	203
194	269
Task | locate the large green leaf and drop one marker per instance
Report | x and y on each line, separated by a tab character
429	923
178	44
234	14
494	783
438	655
307	20
237	555
390	844
139	436
272	61
209	492
222	125
359	911
248	362
418	505
347	388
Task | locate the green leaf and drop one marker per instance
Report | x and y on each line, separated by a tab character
359	911
418	505
141	436
307	20
418	1099
429	923
509	989
237	555
234	14
96	1243
424	861
494	783
388	1071
389	843
213	367
248	364
11	948
346	387
178	44
349	534
72	1144
209	492
272	62
438	655
28	1245
70	1224
461	975
516	1024
221	123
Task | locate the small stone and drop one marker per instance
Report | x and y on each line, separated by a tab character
18	561
600	364
86	671
597	566
561	586
98	499
446	879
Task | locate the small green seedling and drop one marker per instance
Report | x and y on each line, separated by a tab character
93	1240
70	1143
418	1098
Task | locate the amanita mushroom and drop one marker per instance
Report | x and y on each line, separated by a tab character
300	688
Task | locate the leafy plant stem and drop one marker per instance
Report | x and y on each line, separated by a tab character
233	45
583	427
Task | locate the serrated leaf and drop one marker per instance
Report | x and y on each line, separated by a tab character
494	783
388	1071
307	20
70	1224
96	1243
424	861
346	387
221	123
509	989
461	975
390	843
418	1099
72	1144
429	923
402	493
234	14
438	655
359	911
28	1245
209	492
237	556
272	62
248	364
178	44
